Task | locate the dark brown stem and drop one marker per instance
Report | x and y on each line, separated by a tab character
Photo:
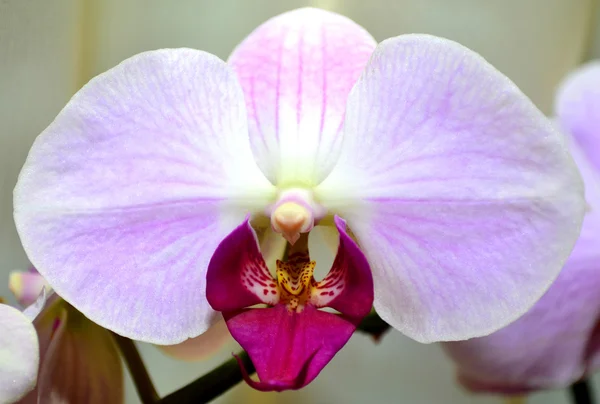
373	325
141	379
212	384
581	392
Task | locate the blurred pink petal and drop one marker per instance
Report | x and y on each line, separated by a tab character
201	347
19	354
27	286
577	108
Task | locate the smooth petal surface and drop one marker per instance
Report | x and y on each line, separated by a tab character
552	345
19	354
125	196
297	70
289	349
460	192
577	108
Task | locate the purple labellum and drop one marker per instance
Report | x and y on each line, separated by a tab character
291	340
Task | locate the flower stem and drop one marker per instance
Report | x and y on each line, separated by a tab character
141	379
581	392
211	385
374	325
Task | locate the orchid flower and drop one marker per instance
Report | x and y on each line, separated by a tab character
78	361
558	341
149	202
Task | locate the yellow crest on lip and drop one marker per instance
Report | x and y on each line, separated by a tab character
295	278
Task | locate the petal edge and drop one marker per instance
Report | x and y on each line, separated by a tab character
460	192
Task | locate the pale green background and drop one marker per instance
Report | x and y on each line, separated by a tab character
49	48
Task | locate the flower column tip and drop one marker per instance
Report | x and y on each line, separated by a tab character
290	219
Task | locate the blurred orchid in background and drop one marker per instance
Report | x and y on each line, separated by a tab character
19	351
78	360
157	188
557	342
202	346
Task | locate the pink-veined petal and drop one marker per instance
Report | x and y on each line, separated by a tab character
297	70
552	345
125	196
289	349
460	192
577	108
19	354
